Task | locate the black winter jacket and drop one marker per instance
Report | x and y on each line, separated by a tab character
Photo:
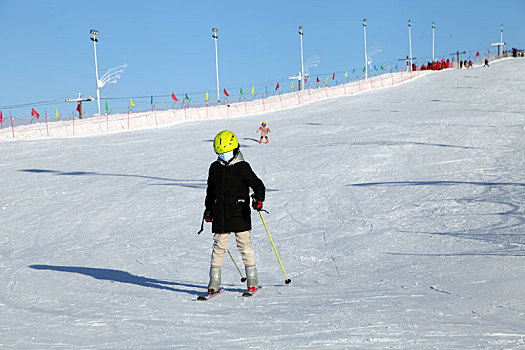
228	194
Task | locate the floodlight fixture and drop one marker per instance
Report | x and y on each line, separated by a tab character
302	59
215	36
410	43
433	28
366	58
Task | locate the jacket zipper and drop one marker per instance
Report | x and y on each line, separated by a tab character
223	197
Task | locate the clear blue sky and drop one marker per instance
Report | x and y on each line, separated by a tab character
46	53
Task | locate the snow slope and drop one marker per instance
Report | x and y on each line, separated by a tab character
398	215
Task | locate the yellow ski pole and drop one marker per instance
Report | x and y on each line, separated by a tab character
287	280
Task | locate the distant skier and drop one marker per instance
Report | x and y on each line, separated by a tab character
486	62
230	178
264	132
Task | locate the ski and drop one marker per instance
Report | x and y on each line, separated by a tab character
251	294
208	296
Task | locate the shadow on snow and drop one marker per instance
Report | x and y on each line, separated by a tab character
436	183
173	182
123	277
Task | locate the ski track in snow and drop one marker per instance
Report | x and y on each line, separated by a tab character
398	215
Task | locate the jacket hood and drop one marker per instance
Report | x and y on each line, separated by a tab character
236	159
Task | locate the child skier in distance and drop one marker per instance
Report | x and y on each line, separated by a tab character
230	178
264	132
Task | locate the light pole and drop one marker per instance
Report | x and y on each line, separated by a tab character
95	41
433	27
302	62
215	36
410	43
501	34
366	58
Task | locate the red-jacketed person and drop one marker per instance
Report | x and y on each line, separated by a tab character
264	132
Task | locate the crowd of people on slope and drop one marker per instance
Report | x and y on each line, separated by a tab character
437	65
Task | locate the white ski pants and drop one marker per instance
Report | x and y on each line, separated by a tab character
244	244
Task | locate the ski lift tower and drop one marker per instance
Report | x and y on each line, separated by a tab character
500	44
408	62
299	77
457	53
80	100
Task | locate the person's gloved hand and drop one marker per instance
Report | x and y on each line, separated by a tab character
257	204
207	216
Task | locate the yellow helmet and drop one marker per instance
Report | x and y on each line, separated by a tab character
225	141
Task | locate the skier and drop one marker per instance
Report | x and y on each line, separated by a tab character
227	207
486	62
264	132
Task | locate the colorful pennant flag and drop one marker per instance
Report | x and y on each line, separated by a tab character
174	97
253	89
305	80
375	68
107	106
326	81
318	79
388	67
333	77
151	100
79	107
292	85
34	113
266	90
58	117
382	68
131	103
242	93
226	93
207	97
353	72
277	87
477	54
364	69
187	97
346	74
1	116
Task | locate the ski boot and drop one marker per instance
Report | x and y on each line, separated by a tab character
215	280
251	275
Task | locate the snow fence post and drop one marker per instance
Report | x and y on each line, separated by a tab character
12	126
47	126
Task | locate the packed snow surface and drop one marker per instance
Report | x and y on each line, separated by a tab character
398	215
